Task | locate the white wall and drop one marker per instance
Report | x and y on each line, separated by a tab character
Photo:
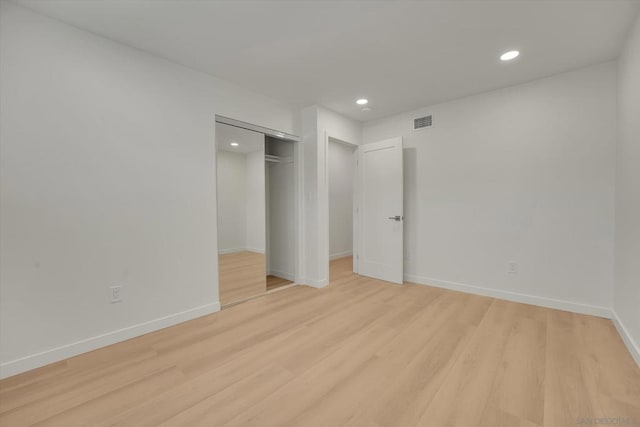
107	167
522	174
232	185
341	176
339	127
256	203
627	270
318	124
241	201
308	177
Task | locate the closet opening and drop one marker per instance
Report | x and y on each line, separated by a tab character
257	210
281	217
341	163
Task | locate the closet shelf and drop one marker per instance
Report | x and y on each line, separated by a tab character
277	159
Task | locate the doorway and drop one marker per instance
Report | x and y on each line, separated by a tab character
341	180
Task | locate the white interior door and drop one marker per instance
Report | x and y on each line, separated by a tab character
380	210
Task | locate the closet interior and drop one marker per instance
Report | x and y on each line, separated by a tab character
256	212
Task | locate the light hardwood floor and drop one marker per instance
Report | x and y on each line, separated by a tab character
361	353
275	282
242	275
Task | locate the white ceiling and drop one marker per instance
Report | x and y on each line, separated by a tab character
248	140
401	55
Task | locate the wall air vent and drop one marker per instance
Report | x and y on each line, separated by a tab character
422	122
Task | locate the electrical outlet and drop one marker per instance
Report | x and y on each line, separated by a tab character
512	268
115	293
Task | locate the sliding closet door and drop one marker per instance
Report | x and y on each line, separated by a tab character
241	213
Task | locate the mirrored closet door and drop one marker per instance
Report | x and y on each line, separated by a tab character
241	213
256	213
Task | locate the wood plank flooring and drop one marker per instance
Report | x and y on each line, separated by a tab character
360	352
242	275
275	282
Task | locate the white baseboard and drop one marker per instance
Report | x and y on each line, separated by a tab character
574	307
632	346
340	255
38	360
230	251
283	274
236	250
316	283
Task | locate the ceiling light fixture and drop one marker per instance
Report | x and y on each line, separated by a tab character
234	144
508	56
362	101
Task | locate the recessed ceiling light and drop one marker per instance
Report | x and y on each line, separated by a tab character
508	56
234	144
362	101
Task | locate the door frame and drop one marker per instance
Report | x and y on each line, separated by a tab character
354	208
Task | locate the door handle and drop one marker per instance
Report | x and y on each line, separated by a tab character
396	218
